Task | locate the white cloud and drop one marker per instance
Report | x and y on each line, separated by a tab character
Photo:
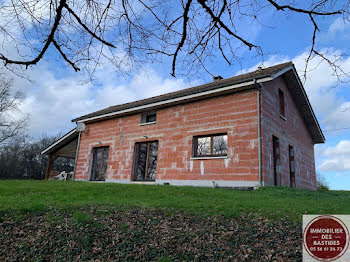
338	157
340	28
342	148
338	25
339	117
52	102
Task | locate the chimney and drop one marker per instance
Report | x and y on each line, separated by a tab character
217	78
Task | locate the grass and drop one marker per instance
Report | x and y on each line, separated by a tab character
82	218
35	196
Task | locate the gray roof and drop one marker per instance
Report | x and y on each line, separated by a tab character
286	69
193	90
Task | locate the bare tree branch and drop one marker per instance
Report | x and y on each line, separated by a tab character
184	35
223	25
64	56
188	35
300	10
47	41
86	28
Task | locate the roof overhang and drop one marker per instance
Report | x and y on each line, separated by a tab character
302	102
64	146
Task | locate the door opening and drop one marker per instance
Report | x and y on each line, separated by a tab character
145	161
276	161
99	163
292	166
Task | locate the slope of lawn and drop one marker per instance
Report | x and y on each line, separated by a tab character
80	221
32	196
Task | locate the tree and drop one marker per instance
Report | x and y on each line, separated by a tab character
22	158
10	125
321	182
187	33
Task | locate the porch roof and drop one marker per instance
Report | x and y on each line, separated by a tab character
65	146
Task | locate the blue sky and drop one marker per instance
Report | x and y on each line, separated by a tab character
57	94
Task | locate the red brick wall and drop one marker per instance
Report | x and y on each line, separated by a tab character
235	114
291	131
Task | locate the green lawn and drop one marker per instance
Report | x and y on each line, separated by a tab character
33	196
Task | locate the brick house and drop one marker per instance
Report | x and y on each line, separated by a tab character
250	130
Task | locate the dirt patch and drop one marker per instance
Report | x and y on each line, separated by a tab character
104	234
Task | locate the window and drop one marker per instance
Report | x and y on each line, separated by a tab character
210	145
99	163
149	117
281	102
145	161
291	166
276	161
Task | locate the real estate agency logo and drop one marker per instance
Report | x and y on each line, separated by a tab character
326	238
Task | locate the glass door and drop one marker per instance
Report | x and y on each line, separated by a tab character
146	161
99	163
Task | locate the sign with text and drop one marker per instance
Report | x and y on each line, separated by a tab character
326	238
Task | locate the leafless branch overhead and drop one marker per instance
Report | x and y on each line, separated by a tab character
186	34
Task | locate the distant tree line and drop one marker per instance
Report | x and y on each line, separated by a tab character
21	158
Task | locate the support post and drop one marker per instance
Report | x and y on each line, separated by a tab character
48	168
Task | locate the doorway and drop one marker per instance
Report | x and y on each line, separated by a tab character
99	163
276	161
292	166
145	161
